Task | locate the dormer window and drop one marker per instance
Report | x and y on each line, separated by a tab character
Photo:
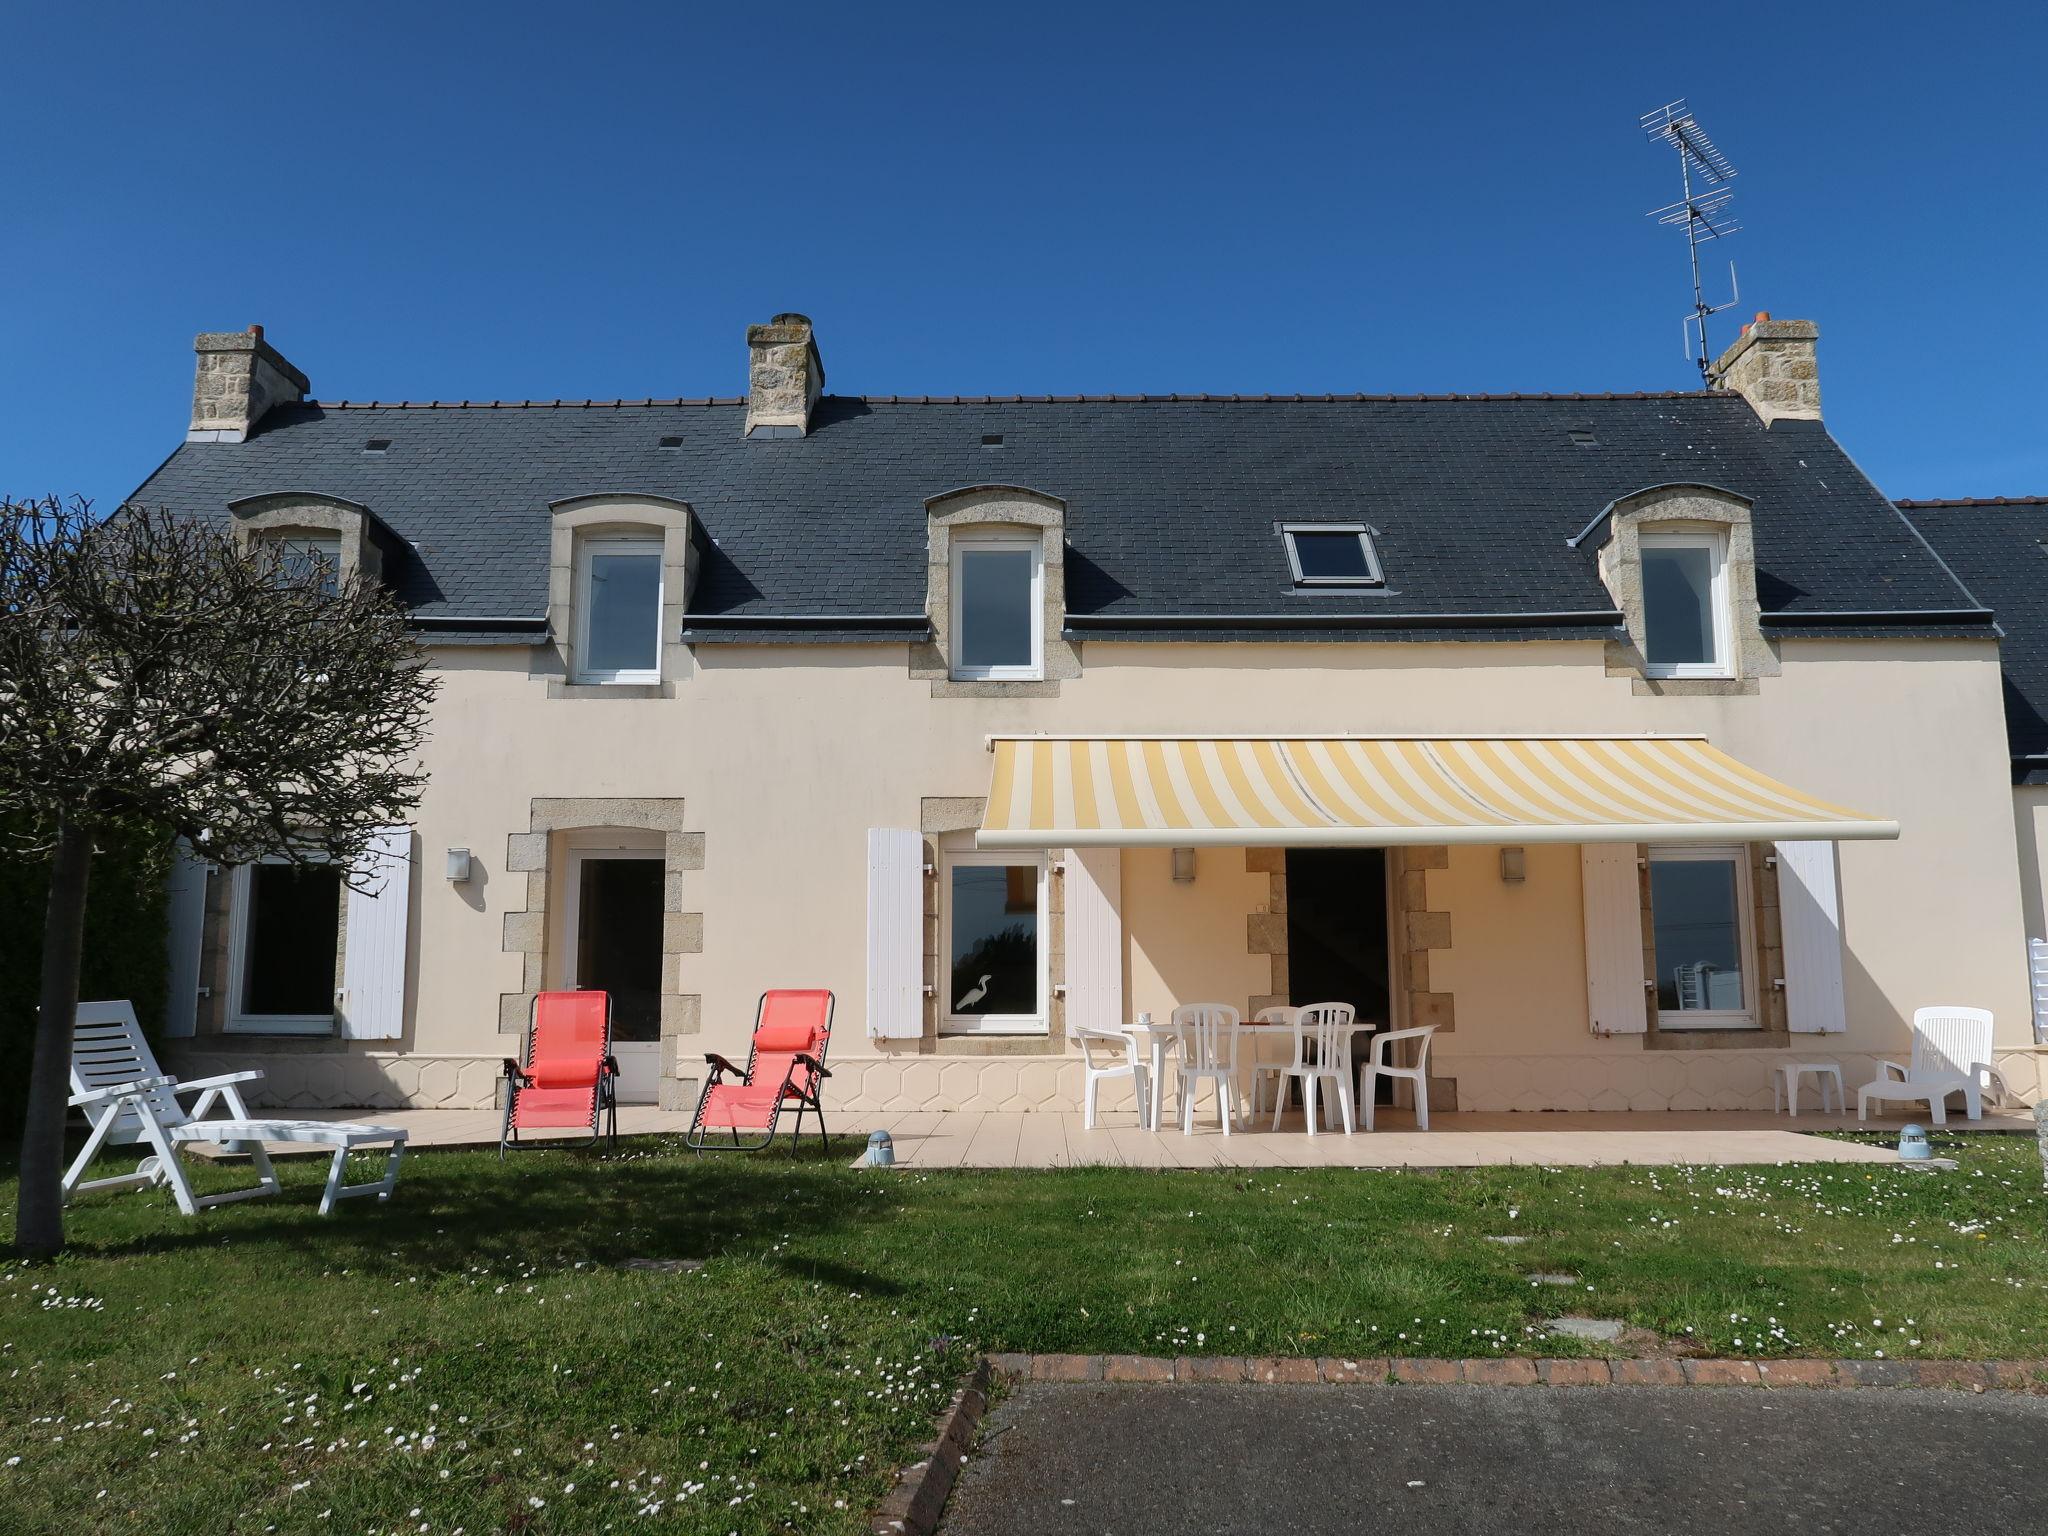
1685	604
313	559
1331	555
998	607
618	607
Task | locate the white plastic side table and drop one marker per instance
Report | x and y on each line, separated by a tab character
1785	1085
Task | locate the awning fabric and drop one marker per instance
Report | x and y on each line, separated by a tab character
1273	791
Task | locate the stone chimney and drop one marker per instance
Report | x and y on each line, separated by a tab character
1772	366
240	376
784	377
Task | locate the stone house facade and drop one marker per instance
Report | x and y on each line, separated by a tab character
1570	725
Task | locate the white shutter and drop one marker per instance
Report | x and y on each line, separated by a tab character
1810	918
1095	939
185	920
2037	972
895	933
373	963
1614	939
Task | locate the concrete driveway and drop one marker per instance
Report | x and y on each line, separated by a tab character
1112	1460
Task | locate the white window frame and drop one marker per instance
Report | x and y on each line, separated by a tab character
965	543
951	1023
1716	545
237	1021
1750	1016
325	546
588	545
1373	576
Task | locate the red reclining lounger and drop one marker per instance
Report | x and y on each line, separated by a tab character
785	1068
570	1077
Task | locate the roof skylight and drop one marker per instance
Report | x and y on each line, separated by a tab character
1332	555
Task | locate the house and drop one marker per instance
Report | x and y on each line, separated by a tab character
1996	546
1635	741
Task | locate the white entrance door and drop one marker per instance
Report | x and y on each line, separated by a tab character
613	944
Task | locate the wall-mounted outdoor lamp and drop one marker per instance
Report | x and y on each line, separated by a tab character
1514	866
458	865
1183	866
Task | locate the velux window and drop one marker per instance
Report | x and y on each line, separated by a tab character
1699	914
994	946
1331	554
1685	604
286	922
998	615
618	608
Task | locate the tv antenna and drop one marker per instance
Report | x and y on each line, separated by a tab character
1702	213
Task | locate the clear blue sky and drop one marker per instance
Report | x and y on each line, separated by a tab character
428	201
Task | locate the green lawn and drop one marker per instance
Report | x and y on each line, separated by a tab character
474	1354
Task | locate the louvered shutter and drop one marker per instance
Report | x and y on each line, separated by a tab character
895	933
1095	938
185	922
1810	918
1614	939
373	964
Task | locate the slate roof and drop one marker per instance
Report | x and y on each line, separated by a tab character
1999	549
1172	505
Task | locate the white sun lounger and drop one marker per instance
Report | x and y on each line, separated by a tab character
128	1101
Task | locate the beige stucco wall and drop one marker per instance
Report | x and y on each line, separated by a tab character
786	754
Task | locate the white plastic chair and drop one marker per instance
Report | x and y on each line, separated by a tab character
1951	1054
1208	1053
1127	1065
128	1101
1322	1054
1377	1066
1282	1013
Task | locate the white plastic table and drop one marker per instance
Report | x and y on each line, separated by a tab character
1785	1085
1157	1038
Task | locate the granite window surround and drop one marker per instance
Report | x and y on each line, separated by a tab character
610	514
1685	509
312	515
986	510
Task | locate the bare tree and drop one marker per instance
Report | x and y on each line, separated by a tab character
155	677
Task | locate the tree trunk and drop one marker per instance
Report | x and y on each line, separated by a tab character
39	1217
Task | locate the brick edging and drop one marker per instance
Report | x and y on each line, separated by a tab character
913	1505
1519	1371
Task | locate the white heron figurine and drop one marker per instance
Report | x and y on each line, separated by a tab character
974	995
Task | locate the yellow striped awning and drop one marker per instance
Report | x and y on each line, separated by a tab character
1380	791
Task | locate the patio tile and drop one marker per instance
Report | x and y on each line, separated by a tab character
1054	1137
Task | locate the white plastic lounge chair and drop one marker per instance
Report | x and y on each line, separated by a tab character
1951	1054
1208	1053
128	1101
1322	1035
1376	1067
1121	1060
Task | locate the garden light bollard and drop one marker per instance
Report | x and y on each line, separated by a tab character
2041	1137
1913	1144
881	1150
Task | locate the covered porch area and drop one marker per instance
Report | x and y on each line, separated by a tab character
1585	923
